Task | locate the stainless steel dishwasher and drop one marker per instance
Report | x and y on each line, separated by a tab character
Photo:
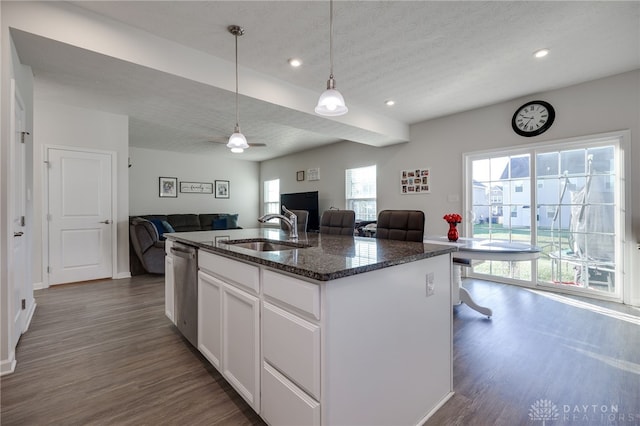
185	265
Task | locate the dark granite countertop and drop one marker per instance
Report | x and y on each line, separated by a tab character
324	257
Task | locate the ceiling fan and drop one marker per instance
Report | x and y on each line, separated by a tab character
224	141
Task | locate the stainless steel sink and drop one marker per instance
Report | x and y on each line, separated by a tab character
262	244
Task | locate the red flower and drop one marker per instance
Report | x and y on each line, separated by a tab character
452	218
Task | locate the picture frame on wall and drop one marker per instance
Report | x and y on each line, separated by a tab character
415	181
196	187
300	175
168	187
222	189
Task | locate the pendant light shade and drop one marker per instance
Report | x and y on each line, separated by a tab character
237	142
331	102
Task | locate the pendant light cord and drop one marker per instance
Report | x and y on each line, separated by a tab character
237	110
331	39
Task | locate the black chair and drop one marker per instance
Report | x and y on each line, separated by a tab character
402	225
303	218
338	222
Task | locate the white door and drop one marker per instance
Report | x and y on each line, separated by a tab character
80	215
18	264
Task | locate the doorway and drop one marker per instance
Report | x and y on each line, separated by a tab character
79	220
564	197
18	271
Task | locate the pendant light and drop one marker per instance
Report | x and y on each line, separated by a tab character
331	102
237	141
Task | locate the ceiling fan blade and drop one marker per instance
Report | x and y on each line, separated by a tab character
222	141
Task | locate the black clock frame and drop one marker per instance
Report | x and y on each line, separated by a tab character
545	126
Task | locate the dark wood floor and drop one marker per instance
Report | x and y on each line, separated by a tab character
103	353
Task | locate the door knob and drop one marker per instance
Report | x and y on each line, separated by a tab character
106	221
18	234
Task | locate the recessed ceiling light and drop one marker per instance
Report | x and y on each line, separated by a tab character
541	53
295	62
389	102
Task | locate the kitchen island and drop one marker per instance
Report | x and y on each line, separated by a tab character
327	330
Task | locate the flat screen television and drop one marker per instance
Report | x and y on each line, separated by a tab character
304	201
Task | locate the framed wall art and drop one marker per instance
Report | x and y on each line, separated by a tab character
222	189
168	187
300	175
196	187
415	181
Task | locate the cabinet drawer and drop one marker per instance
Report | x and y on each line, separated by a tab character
283	403
298	294
246	276
292	345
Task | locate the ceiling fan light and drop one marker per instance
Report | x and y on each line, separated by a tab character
237	141
237	150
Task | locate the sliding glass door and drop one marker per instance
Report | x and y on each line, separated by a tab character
564	198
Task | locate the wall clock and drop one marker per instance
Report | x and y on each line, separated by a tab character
533	118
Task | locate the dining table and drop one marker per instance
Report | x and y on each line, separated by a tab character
478	249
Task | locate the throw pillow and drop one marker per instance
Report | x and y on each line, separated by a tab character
167	226
232	221
159	227
219	223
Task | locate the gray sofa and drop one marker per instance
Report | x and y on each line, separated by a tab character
146	251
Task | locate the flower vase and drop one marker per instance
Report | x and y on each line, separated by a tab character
453	232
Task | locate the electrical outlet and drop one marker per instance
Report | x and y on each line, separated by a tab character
430	285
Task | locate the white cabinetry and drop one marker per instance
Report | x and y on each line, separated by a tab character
210	318
229	322
303	352
169	279
291	350
241	342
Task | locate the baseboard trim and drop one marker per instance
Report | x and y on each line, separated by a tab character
122	275
32	310
8	366
436	408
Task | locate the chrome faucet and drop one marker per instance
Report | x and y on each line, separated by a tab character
291	221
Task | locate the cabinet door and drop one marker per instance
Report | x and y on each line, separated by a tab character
168	287
241	343
210	318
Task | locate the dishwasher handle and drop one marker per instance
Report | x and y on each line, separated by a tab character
187	253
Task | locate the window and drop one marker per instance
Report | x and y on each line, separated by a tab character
361	192
575	188
272	197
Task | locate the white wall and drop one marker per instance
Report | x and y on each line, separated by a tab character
595	107
63	125
148	165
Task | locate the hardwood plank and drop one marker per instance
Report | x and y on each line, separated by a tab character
536	348
103	353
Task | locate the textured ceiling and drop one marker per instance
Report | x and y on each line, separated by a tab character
432	58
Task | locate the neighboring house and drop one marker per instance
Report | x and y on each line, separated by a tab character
481	207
